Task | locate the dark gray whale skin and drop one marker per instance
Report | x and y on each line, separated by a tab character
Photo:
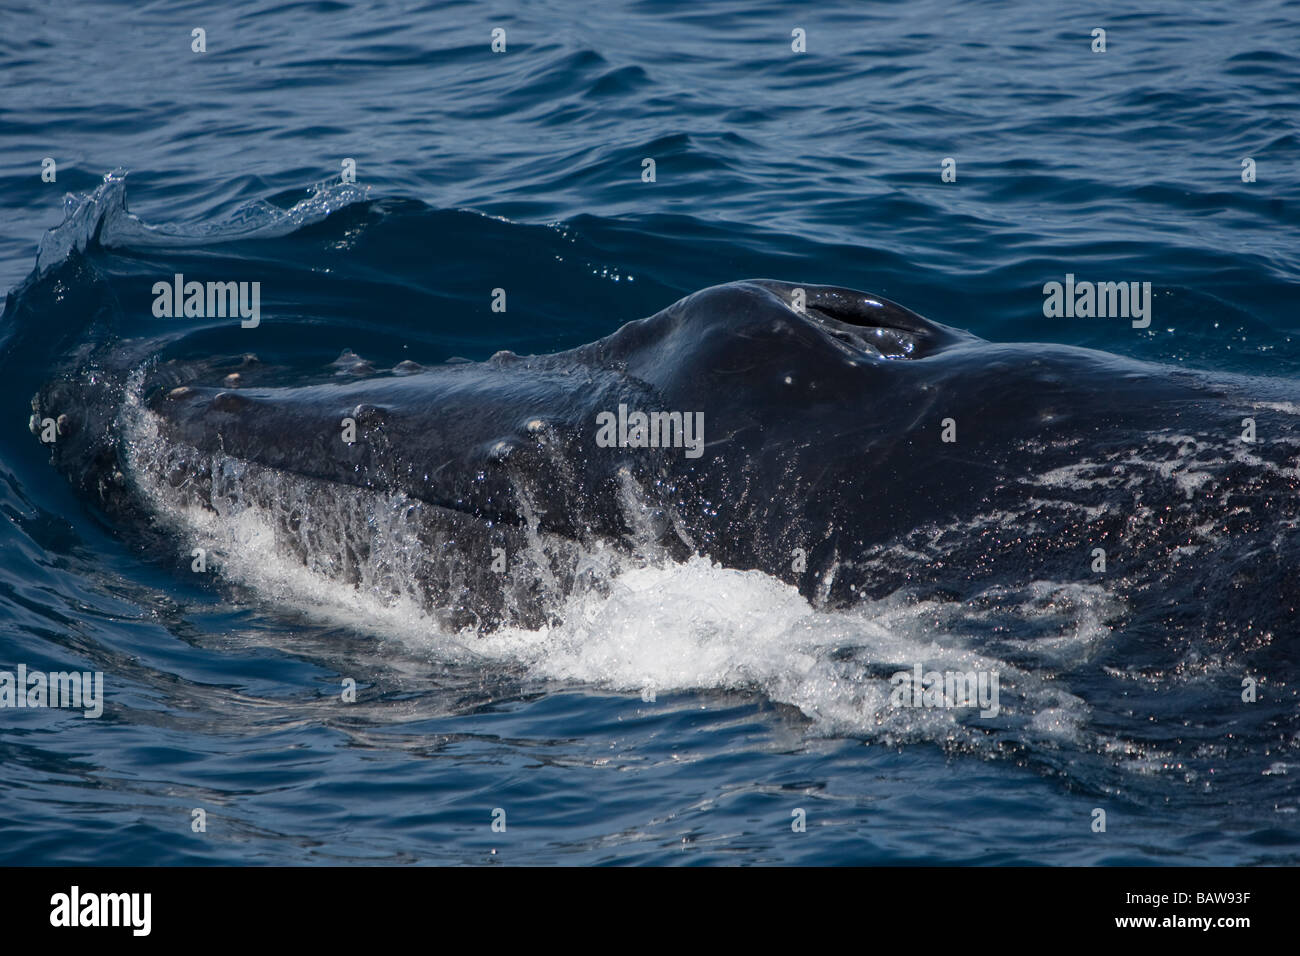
823	462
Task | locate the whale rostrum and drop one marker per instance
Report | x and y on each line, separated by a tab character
831	438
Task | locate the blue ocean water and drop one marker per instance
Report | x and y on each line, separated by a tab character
523	170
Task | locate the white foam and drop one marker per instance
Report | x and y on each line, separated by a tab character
652	624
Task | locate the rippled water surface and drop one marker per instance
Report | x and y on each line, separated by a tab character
682	715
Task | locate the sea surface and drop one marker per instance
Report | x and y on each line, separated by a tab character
689	715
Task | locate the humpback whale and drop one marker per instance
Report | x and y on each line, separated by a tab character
843	444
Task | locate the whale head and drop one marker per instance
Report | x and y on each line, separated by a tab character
746	422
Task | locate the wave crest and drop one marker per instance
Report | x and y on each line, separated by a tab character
101	216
